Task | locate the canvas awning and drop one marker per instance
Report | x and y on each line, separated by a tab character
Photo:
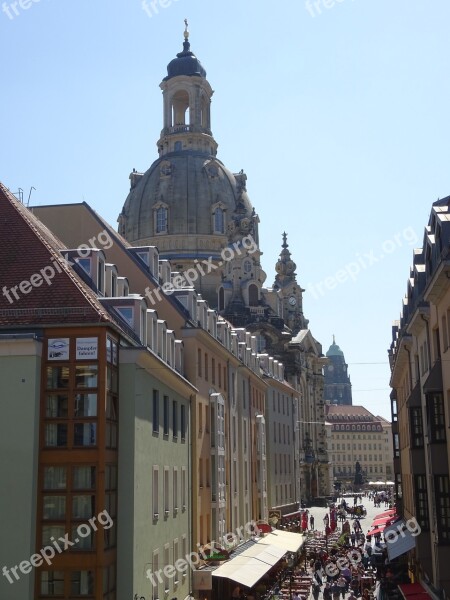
253	563
291	542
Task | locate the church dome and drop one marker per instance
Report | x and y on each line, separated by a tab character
190	186
334	350
186	63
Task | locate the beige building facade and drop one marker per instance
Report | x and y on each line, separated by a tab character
356	435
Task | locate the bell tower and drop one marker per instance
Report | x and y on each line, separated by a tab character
290	292
187	105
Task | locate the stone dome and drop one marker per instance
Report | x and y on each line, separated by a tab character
190	185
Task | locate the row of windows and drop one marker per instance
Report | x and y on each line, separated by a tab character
283	403
435	420
365	457
169	555
174	417
286	439
357	428
282	464
161	220
367	436
342	469
360	446
174	498
218	374
82	535
283	493
77	583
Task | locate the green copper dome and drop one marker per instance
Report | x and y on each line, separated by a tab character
334	350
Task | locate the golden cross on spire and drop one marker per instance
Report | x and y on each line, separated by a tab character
186	32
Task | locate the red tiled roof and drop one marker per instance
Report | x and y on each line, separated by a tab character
27	248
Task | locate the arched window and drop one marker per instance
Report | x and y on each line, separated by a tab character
253	295
178	146
160	216
219	220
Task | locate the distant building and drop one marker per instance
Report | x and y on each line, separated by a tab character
420	377
354	434
337	388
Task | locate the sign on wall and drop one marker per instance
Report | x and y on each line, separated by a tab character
86	348
58	349
202	580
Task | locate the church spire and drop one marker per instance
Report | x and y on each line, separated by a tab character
285	266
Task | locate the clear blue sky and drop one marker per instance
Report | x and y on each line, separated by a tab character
338	115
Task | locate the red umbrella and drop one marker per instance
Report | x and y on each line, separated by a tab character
392	511
376	531
381	521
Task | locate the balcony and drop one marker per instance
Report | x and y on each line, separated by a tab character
182	128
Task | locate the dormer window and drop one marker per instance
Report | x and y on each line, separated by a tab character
114	285
144	257
101	276
126	312
85	263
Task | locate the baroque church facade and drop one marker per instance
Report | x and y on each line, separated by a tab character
198	213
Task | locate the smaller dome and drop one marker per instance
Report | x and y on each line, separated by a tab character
334	350
186	63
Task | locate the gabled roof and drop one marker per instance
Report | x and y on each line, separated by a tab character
305	338
28	248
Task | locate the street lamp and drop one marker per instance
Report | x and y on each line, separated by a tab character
291	562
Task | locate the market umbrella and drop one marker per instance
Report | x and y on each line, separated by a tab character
381	521
376	531
387	513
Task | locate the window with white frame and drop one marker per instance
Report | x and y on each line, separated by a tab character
160	215
175	488
166	491
155	492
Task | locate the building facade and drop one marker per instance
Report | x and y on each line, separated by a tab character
355	435
178	418
420	400
196	211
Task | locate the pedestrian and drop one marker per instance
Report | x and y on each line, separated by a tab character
327	591
335	591
342	585
316	585
311	522
353	538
